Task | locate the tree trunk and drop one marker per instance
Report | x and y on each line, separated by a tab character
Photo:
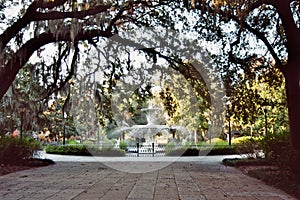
293	98
292	77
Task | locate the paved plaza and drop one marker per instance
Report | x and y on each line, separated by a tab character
88	178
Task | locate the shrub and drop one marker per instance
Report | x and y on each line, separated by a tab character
201	143
88	143
223	150
108	143
248	145
110	152
202	151
277	148
81	150
123	145
17	151
169	147
183	152
241	140
217	141
72	142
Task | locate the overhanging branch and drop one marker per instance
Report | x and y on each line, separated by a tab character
9	71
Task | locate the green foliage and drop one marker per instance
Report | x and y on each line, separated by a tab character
277	148
81	150
110	152
88	143
240	62
53	118
71	142
108	143
223	150
68	150
201	143
170	146
250	95
202	150
183	152
249	145
217	141
34	143
245	140
240	140
169	101
245	162
17	151
123	145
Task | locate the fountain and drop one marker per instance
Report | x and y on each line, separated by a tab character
146	134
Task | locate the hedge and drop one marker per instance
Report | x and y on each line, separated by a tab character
17	151
202	151
82	150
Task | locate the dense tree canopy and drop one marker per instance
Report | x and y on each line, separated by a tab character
246	39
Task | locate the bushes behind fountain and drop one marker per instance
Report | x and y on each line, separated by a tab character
202	151
83	150
239	146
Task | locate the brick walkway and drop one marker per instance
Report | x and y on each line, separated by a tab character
93	180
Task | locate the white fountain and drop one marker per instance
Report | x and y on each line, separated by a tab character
148	131
148	150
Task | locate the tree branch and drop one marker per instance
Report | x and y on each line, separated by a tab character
9	71
250	7
32	15
47	4
62	84
40	16
262	37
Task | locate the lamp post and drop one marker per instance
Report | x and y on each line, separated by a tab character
209	129
228	103
22	109
229	128
64	115
266	108
11	123
98	133
266	120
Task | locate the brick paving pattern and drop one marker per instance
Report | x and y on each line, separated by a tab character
93	180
